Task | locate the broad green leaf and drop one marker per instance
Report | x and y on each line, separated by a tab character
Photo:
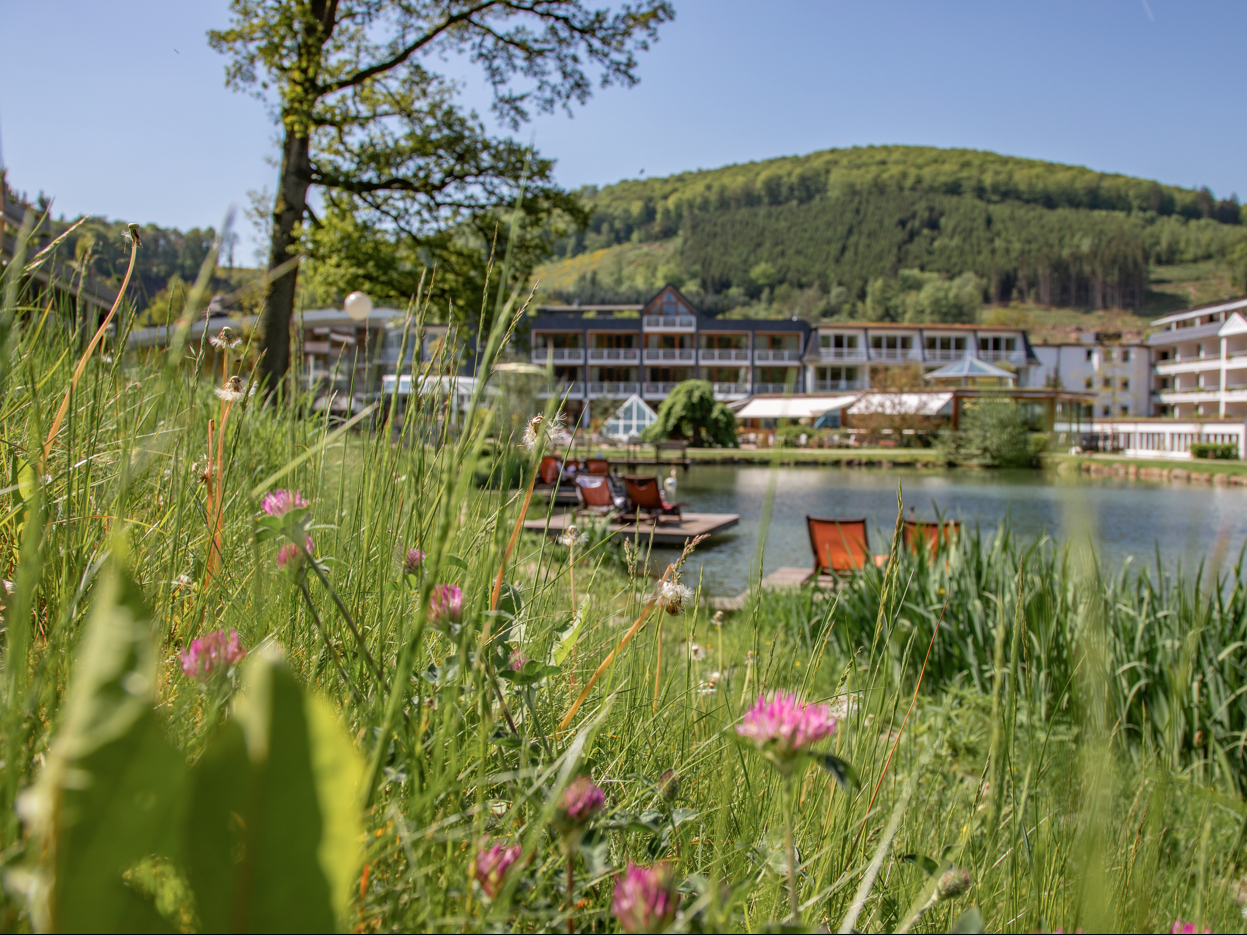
844	774
114	788
26	480
339	774
567	641
218	799
924	863
456	561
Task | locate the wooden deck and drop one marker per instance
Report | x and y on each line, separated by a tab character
779	579
667	532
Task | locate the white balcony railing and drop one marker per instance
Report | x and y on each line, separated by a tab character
1012	357
836	386
670	322
618	390
794	387
658	389
945	354
727	390
657	354
842	353
559	355
777	357
710	355
624	354
895	353
569	390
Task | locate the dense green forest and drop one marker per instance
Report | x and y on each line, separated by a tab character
832	232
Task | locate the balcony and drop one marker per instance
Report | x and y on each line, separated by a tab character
1194	364
945	355
626	355
723	355
670	323
654	355
898	354
657	389
794	387
730	390
842	353
613	390
777	357
1008	357
563	390
837	386
559	355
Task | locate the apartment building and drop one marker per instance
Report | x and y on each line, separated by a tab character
1199	362
1120	375
613	351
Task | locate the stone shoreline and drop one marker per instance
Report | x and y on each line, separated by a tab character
1172	475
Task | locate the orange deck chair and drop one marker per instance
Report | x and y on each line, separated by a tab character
916	531
596	495
598	467
840	546
646	496
549	471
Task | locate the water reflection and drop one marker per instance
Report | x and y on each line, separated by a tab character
1124	518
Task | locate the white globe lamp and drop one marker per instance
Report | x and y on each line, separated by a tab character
358	306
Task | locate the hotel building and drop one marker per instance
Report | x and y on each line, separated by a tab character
1199	360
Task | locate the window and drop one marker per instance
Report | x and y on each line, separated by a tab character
892	342
1164	355
1108	355
1108	411
1125	383
946	343
1125	410
837	340
1108	383
1090	354
1127	355
1090	383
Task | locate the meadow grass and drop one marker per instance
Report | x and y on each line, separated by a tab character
1070	736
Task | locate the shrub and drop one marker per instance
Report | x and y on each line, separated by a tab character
993	432
1216	452
691	412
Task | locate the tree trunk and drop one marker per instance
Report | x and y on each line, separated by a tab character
288	211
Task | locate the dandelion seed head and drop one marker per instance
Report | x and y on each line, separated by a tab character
233	390
224	339
674	596
573	537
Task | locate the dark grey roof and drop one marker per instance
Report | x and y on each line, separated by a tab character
580	323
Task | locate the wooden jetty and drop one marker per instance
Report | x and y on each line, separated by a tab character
780	579
667	532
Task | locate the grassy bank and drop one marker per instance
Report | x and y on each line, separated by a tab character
1027	737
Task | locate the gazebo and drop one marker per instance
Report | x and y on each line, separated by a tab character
972	369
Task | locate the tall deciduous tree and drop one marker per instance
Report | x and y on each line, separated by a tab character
366	118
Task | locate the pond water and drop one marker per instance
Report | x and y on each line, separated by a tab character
1120	518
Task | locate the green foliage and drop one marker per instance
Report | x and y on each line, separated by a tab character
691	412
925	297
993	431
842	219
1228	452
265	824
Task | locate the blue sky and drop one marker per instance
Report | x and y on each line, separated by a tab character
120	109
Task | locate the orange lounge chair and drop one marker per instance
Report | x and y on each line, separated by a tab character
915	531
549	471
646	496
596	495
598	467
840	546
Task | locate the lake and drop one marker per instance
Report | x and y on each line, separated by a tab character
1122	518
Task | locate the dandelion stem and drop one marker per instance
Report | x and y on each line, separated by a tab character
324	635
346	615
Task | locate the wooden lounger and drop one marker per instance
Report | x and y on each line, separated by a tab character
840	546
915	532
645	494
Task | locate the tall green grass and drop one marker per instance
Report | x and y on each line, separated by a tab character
1072	737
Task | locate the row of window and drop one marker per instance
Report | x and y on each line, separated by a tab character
905	342
1107	383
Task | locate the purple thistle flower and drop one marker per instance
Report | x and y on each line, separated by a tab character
412	561
280	502
517	660
445	605
290	557
783	727
581	800
646	898
211	653
491	866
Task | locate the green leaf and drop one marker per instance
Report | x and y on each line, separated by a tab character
567	641
844	774
680	815
922	862
301	830
219	788
969	922
456	561
26	480
114	788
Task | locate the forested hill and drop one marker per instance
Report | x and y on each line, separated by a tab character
850	231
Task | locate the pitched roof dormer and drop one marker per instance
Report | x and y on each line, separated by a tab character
669	301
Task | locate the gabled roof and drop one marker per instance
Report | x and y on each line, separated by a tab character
683	306
1235	324
970	367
